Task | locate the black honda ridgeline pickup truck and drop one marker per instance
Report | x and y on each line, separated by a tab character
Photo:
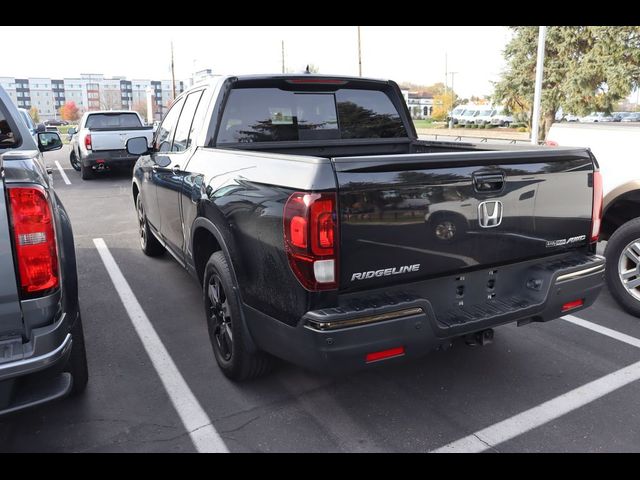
325	233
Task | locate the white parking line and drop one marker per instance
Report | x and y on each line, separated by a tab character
623	337
537	416
64	175
195	420
555	408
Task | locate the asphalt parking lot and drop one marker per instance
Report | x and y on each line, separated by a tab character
564	386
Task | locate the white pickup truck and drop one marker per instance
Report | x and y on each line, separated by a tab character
100	142
617	148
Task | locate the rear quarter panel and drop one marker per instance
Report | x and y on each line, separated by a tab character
243	195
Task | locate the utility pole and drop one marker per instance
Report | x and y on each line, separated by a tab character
359	53
453	76
173	74
542	33
282	56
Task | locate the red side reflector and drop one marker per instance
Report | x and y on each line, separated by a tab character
384	354
551	143
572	305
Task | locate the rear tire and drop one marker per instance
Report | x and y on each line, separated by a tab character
73	160
149	244
77	363
227	332
86	173
623	266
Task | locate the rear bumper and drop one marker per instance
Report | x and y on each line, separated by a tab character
421	317
107	159
36	377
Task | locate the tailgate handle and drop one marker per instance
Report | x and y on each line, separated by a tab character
489	182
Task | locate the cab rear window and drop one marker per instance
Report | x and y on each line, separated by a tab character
273	115
113	120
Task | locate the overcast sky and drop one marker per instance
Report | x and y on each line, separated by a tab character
415	54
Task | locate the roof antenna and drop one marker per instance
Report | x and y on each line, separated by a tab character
307	70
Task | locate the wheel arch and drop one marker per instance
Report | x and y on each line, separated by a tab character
620	205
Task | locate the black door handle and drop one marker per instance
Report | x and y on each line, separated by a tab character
488	182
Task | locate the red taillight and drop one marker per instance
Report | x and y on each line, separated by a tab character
35	239
571	305
596	214
310	235
384	354
551	143
87	141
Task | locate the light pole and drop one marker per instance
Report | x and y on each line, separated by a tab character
359	54
535	127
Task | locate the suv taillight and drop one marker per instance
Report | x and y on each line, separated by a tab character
596	214
35	240
311	239
87	141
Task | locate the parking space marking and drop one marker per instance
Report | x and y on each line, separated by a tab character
537	416
64	175
195	420
623	337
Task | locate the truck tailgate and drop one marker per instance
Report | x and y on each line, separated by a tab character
408	217
10	312
115	139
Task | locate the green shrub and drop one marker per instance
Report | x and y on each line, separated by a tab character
521	129
488	125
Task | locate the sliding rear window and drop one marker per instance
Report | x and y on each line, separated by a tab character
113	120
272	115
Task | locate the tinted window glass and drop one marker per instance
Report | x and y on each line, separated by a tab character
181	138
164	134
368	114
113	120
198	119
270	115
7	136
27	119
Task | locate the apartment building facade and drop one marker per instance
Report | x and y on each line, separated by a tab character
89	92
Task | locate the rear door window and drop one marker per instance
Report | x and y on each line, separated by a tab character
272	115
181	138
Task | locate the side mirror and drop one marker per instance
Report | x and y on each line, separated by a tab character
71	131
137	146
48	141
41	127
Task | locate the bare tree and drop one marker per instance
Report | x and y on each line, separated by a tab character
110	100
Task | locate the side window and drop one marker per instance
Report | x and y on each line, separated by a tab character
181	139
164	136
7	136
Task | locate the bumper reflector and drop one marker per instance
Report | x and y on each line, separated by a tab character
384	354
572	305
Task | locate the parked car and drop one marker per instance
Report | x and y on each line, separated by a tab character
617	150
597	117
483	116
99	143
632	117
501	119
42	354
468	116
298	202
33	128
456	113
55	122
